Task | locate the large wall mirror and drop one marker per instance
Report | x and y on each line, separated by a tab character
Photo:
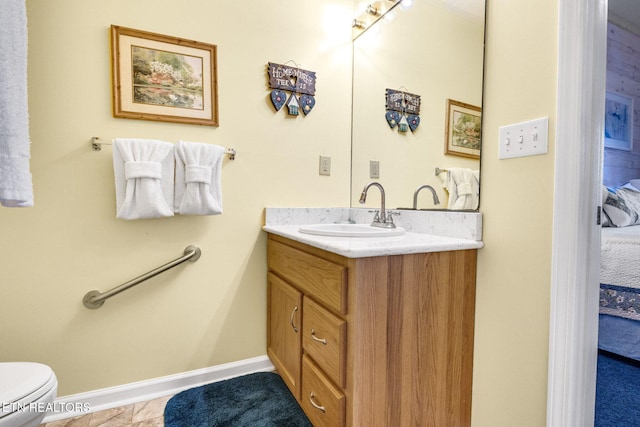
433	49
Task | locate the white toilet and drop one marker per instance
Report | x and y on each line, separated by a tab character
26	390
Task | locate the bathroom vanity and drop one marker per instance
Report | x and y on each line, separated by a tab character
379	340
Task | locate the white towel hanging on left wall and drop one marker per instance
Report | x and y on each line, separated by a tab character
198	189
16	186
143	170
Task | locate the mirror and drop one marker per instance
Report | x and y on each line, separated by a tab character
433	49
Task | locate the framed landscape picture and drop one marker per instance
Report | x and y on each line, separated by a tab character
618	122
463	130
163	78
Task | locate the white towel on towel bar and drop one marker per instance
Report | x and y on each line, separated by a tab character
143	170
16	188
198	188
463	186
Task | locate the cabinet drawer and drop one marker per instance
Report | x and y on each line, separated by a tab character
323	403
324	339
324	280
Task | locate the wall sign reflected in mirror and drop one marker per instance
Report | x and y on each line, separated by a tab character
403	110
435	48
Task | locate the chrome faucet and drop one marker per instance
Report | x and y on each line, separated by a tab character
436	201
381	219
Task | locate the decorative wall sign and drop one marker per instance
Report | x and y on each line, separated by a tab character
278	98
403	110
293	105
158	77
307	102
300	83
393	117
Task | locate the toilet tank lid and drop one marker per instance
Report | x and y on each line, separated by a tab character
20	379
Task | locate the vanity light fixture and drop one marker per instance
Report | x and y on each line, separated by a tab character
371	15
359	25
372	10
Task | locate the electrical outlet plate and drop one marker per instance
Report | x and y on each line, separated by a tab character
374	169
524	139
325	165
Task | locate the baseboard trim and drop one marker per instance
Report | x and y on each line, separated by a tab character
112	397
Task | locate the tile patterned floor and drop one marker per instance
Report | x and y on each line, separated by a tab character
142	414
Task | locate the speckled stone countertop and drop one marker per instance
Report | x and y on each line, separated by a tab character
426	231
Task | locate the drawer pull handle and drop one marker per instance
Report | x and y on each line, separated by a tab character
293	312
313	337
315	405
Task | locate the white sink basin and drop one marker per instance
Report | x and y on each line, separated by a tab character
350	230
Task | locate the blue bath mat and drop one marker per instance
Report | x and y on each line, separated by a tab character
257	400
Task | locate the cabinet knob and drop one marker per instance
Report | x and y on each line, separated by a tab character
320	340
293	313
315	405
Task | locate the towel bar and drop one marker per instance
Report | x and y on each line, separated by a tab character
97	143
439	171
95	299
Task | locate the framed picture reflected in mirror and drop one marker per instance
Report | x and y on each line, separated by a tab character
463	130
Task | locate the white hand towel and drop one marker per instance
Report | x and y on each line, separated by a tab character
16	187
463	187
198	185
143	170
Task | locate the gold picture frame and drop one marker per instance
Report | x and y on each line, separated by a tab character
163	78
463	130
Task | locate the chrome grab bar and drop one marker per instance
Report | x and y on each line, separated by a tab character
95	299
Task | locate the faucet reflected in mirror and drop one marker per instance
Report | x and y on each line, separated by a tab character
436	201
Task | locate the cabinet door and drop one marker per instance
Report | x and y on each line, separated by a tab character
284	343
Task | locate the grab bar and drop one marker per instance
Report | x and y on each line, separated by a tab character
95	299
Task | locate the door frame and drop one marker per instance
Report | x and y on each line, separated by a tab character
573	328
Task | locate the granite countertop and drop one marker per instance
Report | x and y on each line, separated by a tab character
463	232
361	247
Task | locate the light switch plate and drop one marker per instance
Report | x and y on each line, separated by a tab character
524	139
374	169
325	165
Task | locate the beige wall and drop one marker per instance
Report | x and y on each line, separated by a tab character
196	315
513	285
213	311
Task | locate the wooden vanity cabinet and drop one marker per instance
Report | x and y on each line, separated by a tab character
379	341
